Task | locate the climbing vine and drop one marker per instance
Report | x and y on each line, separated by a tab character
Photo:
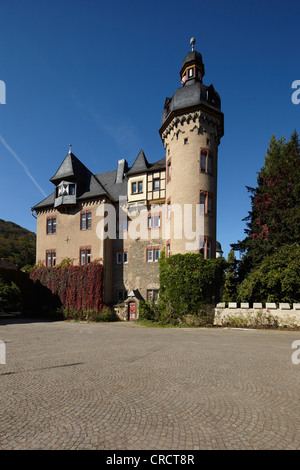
78	287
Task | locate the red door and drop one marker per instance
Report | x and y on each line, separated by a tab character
132	311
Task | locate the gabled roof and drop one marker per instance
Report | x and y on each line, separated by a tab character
140	165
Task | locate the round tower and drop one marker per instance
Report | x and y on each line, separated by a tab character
192	126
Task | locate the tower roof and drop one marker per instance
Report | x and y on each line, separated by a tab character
192	56
140	165
193	94
71	167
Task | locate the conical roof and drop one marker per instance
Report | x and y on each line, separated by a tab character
71	167
140	165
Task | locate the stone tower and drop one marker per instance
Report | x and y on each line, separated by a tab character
192	126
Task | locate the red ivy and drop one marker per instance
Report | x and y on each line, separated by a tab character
79	287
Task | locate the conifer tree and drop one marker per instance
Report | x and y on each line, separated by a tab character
230	284
274	219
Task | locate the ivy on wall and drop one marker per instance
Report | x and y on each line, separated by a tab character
188	285
77	287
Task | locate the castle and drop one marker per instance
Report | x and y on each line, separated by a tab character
126	217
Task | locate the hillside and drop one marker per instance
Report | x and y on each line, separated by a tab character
17	244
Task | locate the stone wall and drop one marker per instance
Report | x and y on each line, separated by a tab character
257	314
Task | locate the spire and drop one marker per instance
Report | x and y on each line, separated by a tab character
192	65
140	164
192	43
70	148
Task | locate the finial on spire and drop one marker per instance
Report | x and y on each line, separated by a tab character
70	148
192	43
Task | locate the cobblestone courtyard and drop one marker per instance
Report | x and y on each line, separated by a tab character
122	386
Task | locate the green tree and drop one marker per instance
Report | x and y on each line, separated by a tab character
231	279
17	245
276	279
274	219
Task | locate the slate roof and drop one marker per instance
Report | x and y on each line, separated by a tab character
140	165
71	167
111	184
192	56
48	201
108	181
192	94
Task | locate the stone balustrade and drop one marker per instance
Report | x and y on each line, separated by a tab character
257	314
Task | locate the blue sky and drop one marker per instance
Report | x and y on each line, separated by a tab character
96	73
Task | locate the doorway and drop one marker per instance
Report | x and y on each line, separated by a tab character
132	311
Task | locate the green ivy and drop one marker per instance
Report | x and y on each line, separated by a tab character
188	283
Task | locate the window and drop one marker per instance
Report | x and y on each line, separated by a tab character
169	169
51	225
72	189
209	204
137	187
206	162
85	256
156	184
85	221
168	251
205	248
203	162
50	258
186	140
191	72
154	221
209	164
149	256
122	257
208	249
152	295
202	203
205	203
66	189
153	255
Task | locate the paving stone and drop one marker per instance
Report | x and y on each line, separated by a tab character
74	385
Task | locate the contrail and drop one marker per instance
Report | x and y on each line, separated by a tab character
22	164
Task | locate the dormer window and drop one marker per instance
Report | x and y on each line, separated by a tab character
65	193
66	189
